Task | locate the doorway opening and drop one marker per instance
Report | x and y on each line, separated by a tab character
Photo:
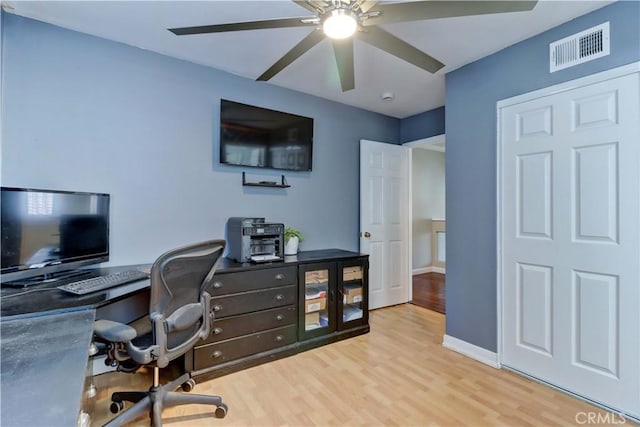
428	226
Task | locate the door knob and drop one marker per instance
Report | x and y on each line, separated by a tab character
365	234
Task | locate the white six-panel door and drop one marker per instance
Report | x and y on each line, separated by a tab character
570	209
384	221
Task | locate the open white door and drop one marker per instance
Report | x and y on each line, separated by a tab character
384	221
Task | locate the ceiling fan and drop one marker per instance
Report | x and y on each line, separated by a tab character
343	20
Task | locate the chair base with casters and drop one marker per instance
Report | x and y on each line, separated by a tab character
158	397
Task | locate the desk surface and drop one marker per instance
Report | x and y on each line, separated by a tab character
46	297
43	365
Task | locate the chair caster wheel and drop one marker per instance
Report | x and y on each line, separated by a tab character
221	411
188	385
116	406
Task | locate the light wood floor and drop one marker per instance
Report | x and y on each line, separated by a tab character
397	375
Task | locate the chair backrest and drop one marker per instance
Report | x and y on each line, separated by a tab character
178	306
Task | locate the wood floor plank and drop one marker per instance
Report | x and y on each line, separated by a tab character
429	291
397	375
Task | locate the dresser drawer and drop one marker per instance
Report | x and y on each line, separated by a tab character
248	302
235	326
243	281
235	348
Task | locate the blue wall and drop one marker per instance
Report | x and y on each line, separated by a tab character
471	96
83	113
423	125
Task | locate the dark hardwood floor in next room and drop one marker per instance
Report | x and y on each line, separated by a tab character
428	291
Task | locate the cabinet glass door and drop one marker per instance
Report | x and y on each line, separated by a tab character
316	292
317	295
353	307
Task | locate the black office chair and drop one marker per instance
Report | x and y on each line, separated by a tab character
180	315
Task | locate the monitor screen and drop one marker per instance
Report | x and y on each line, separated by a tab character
45	231
258	137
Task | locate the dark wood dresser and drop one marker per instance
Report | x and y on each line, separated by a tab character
268	311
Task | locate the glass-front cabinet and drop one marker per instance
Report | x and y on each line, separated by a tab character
333	297
317	298
352	294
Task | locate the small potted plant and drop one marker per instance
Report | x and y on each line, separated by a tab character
292	238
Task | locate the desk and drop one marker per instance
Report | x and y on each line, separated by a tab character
251	294
45	341
123	303
44	361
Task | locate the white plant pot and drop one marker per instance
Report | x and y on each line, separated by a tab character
291	246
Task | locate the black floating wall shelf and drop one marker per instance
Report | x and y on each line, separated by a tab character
272	184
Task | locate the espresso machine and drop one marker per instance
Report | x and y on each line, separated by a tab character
254	240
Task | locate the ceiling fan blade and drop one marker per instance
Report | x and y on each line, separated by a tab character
391	44
433	9
343	49
366	5
243	26
307	43
310	6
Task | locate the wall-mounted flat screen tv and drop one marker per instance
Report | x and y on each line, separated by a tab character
259	137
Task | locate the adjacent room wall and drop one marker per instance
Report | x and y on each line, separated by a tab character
471	96
423	125
428	189
86	114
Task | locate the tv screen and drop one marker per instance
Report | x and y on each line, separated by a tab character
46	231
258	137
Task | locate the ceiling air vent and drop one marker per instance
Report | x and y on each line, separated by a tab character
578	48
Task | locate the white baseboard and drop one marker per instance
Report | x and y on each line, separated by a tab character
470	350
430	269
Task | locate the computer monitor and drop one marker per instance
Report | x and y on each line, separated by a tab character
46	232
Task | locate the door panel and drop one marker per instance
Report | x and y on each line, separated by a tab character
534	195
596	191
570	231
596	322
534	307
600	109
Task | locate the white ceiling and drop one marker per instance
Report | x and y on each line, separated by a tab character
453	41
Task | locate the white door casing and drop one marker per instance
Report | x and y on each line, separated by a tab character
384	221
570	237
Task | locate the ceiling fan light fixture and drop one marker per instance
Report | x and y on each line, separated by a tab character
340	24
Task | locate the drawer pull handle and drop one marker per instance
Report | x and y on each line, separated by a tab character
217	285
217	307
279	276
216	354
279	317
279	297
279	338
217	331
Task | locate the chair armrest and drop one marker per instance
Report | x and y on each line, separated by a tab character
184	317
113	331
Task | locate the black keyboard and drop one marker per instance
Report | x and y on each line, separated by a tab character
103	282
